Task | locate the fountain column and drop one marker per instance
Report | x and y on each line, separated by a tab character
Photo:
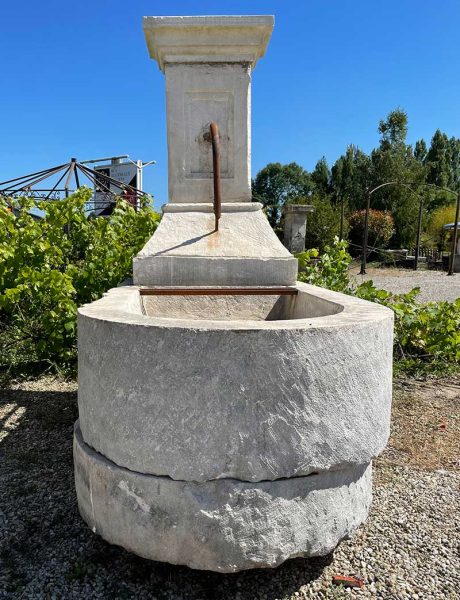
208	63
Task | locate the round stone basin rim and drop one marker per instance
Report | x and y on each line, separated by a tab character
124	305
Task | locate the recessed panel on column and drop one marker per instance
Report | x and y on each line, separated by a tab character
200	109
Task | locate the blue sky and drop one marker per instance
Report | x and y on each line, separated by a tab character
77	79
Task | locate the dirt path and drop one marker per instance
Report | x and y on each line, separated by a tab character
434	285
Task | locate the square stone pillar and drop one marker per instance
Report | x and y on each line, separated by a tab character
295	223
207	62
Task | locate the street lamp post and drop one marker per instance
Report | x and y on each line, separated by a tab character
366	220
410	186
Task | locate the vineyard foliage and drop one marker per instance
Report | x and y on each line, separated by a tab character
427	335
51	265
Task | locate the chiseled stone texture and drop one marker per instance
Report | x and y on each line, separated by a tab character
207	62
197	95
198	399
295	226
223	525
185	249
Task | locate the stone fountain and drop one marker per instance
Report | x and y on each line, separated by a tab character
228	414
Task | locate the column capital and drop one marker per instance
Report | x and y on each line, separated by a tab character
298	208
207	39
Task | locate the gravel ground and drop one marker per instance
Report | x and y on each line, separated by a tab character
406	549
434	285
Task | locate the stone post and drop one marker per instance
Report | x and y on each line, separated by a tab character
295	223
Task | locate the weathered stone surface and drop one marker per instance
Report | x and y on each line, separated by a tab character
207	62
198	399
295	226
207	39
225	433
185	249
223	525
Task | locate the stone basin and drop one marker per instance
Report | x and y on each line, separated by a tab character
257	424
224	525
263	307
272	387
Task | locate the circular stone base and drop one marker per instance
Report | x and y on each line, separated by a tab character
222	525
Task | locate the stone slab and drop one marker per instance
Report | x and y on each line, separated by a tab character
224	525
198	399
185	249
295	223
210	38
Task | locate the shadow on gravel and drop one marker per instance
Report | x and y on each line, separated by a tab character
46	550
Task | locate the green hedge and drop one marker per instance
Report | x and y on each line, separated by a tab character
427	335
52	265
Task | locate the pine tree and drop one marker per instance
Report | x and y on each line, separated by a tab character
420	151
394	160
321	176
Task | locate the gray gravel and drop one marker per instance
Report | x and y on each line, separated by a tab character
407	548
434	285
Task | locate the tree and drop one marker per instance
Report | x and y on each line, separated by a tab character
351	175
454	181
420	151
440	217
393	130
321	177
277	184
442	163
394	160
438	160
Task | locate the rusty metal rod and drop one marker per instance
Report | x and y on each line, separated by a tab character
221	291
215	140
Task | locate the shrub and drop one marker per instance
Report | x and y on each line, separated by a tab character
323	225
427	335
49	267
380	229
329	270
440	217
